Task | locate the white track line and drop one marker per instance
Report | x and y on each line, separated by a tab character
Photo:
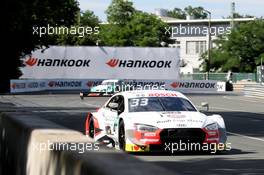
252	138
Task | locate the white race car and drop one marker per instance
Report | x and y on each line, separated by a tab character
141	121
105	89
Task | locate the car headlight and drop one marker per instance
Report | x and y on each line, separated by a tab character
212	126
145	128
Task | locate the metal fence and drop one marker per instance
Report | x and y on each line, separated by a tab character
221	76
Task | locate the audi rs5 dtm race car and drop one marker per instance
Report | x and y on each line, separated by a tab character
142	121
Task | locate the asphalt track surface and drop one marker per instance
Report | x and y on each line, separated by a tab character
244	119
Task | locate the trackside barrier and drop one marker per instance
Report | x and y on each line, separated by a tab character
22	136
254	90
253	77
20	86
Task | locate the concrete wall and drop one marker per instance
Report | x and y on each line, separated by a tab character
20	143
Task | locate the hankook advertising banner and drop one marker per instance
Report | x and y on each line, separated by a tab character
102	63
186	86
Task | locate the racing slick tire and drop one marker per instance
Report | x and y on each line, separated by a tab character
91	128
122	136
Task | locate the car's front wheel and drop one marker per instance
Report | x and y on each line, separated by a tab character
122	136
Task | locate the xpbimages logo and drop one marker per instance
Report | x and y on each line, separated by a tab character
114	62
62	30
32	61
189	146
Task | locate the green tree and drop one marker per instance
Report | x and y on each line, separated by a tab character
196	12
87	19
120	12
177	13
115	35
142	30
241	51
147	30
129	27
18	37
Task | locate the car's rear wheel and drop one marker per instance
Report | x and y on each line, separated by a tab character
122	136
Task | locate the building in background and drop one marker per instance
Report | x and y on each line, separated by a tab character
192	36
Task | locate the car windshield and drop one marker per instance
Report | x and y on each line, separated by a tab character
144	104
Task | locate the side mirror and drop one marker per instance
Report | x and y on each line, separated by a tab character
205	106
113	105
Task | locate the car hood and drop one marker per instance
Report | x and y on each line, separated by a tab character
169	119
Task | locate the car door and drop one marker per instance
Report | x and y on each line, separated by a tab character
111	115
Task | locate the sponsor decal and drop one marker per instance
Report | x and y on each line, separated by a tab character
112	62
140	95
138	63
173	115
51	83
93	94
13	86
174	84
194	121
181	125
36	85
89	83
93	83
18	85
31	61
144	83
201	85
162	95
27	86
33	85
164	121
178	123
65	84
